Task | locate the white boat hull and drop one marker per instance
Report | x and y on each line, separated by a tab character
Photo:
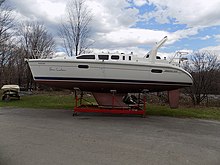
103	76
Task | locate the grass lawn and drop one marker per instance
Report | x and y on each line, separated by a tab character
65	101
45	101
192	112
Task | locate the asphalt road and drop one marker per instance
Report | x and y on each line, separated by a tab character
55	137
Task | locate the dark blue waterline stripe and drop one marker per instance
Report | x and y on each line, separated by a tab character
108	80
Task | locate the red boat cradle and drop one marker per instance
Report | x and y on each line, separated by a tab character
110	103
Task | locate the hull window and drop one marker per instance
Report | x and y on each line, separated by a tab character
83	66
115	57
156	71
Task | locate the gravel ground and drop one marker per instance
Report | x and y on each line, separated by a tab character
55	137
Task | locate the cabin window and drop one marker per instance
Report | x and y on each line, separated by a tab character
123	57
86	57
103	57
115	57
156	71
83	66
147	56
129	58
158	57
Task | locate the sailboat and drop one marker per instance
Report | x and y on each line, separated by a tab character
111	71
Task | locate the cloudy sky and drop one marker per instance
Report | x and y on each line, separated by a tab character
135	25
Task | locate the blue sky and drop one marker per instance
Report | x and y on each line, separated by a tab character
204	38
135	25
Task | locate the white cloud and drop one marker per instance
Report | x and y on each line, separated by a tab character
136	37
191	13
185	33
106	18
129	37
206	37
217	37
41	10
113	21
215	49
140	2
51	9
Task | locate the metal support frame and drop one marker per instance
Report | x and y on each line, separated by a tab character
129	110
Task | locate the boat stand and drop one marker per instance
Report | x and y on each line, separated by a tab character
112	104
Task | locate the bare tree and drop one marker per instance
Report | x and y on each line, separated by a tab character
6	21
35	40
6	25
75	30
204	67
